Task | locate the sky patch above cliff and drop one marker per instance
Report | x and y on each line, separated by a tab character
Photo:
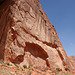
61	14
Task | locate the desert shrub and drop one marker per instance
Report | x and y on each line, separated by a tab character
25	66
22	69
30	66
59	69
8	64
17	66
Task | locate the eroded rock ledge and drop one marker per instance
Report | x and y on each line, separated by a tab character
28	37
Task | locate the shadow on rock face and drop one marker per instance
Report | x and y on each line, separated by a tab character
18	59
1	1
37	51
5	23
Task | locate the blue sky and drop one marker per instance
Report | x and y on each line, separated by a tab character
61	14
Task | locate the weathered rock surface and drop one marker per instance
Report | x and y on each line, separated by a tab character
72	62
12	69
28	37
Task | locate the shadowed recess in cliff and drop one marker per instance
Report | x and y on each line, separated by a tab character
18	59
61	56
5	23
39	51
36	51
1	1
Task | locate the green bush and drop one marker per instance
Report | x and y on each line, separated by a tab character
59	69
25	66
30	66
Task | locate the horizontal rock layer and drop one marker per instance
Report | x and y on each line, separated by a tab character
27	36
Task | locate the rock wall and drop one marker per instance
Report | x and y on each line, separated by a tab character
27	36
72	62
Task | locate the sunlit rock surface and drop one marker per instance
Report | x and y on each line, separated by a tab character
27	36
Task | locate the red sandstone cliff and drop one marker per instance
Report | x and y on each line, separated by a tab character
27	36
72	62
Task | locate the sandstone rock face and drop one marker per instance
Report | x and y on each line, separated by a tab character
72	62
27	36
